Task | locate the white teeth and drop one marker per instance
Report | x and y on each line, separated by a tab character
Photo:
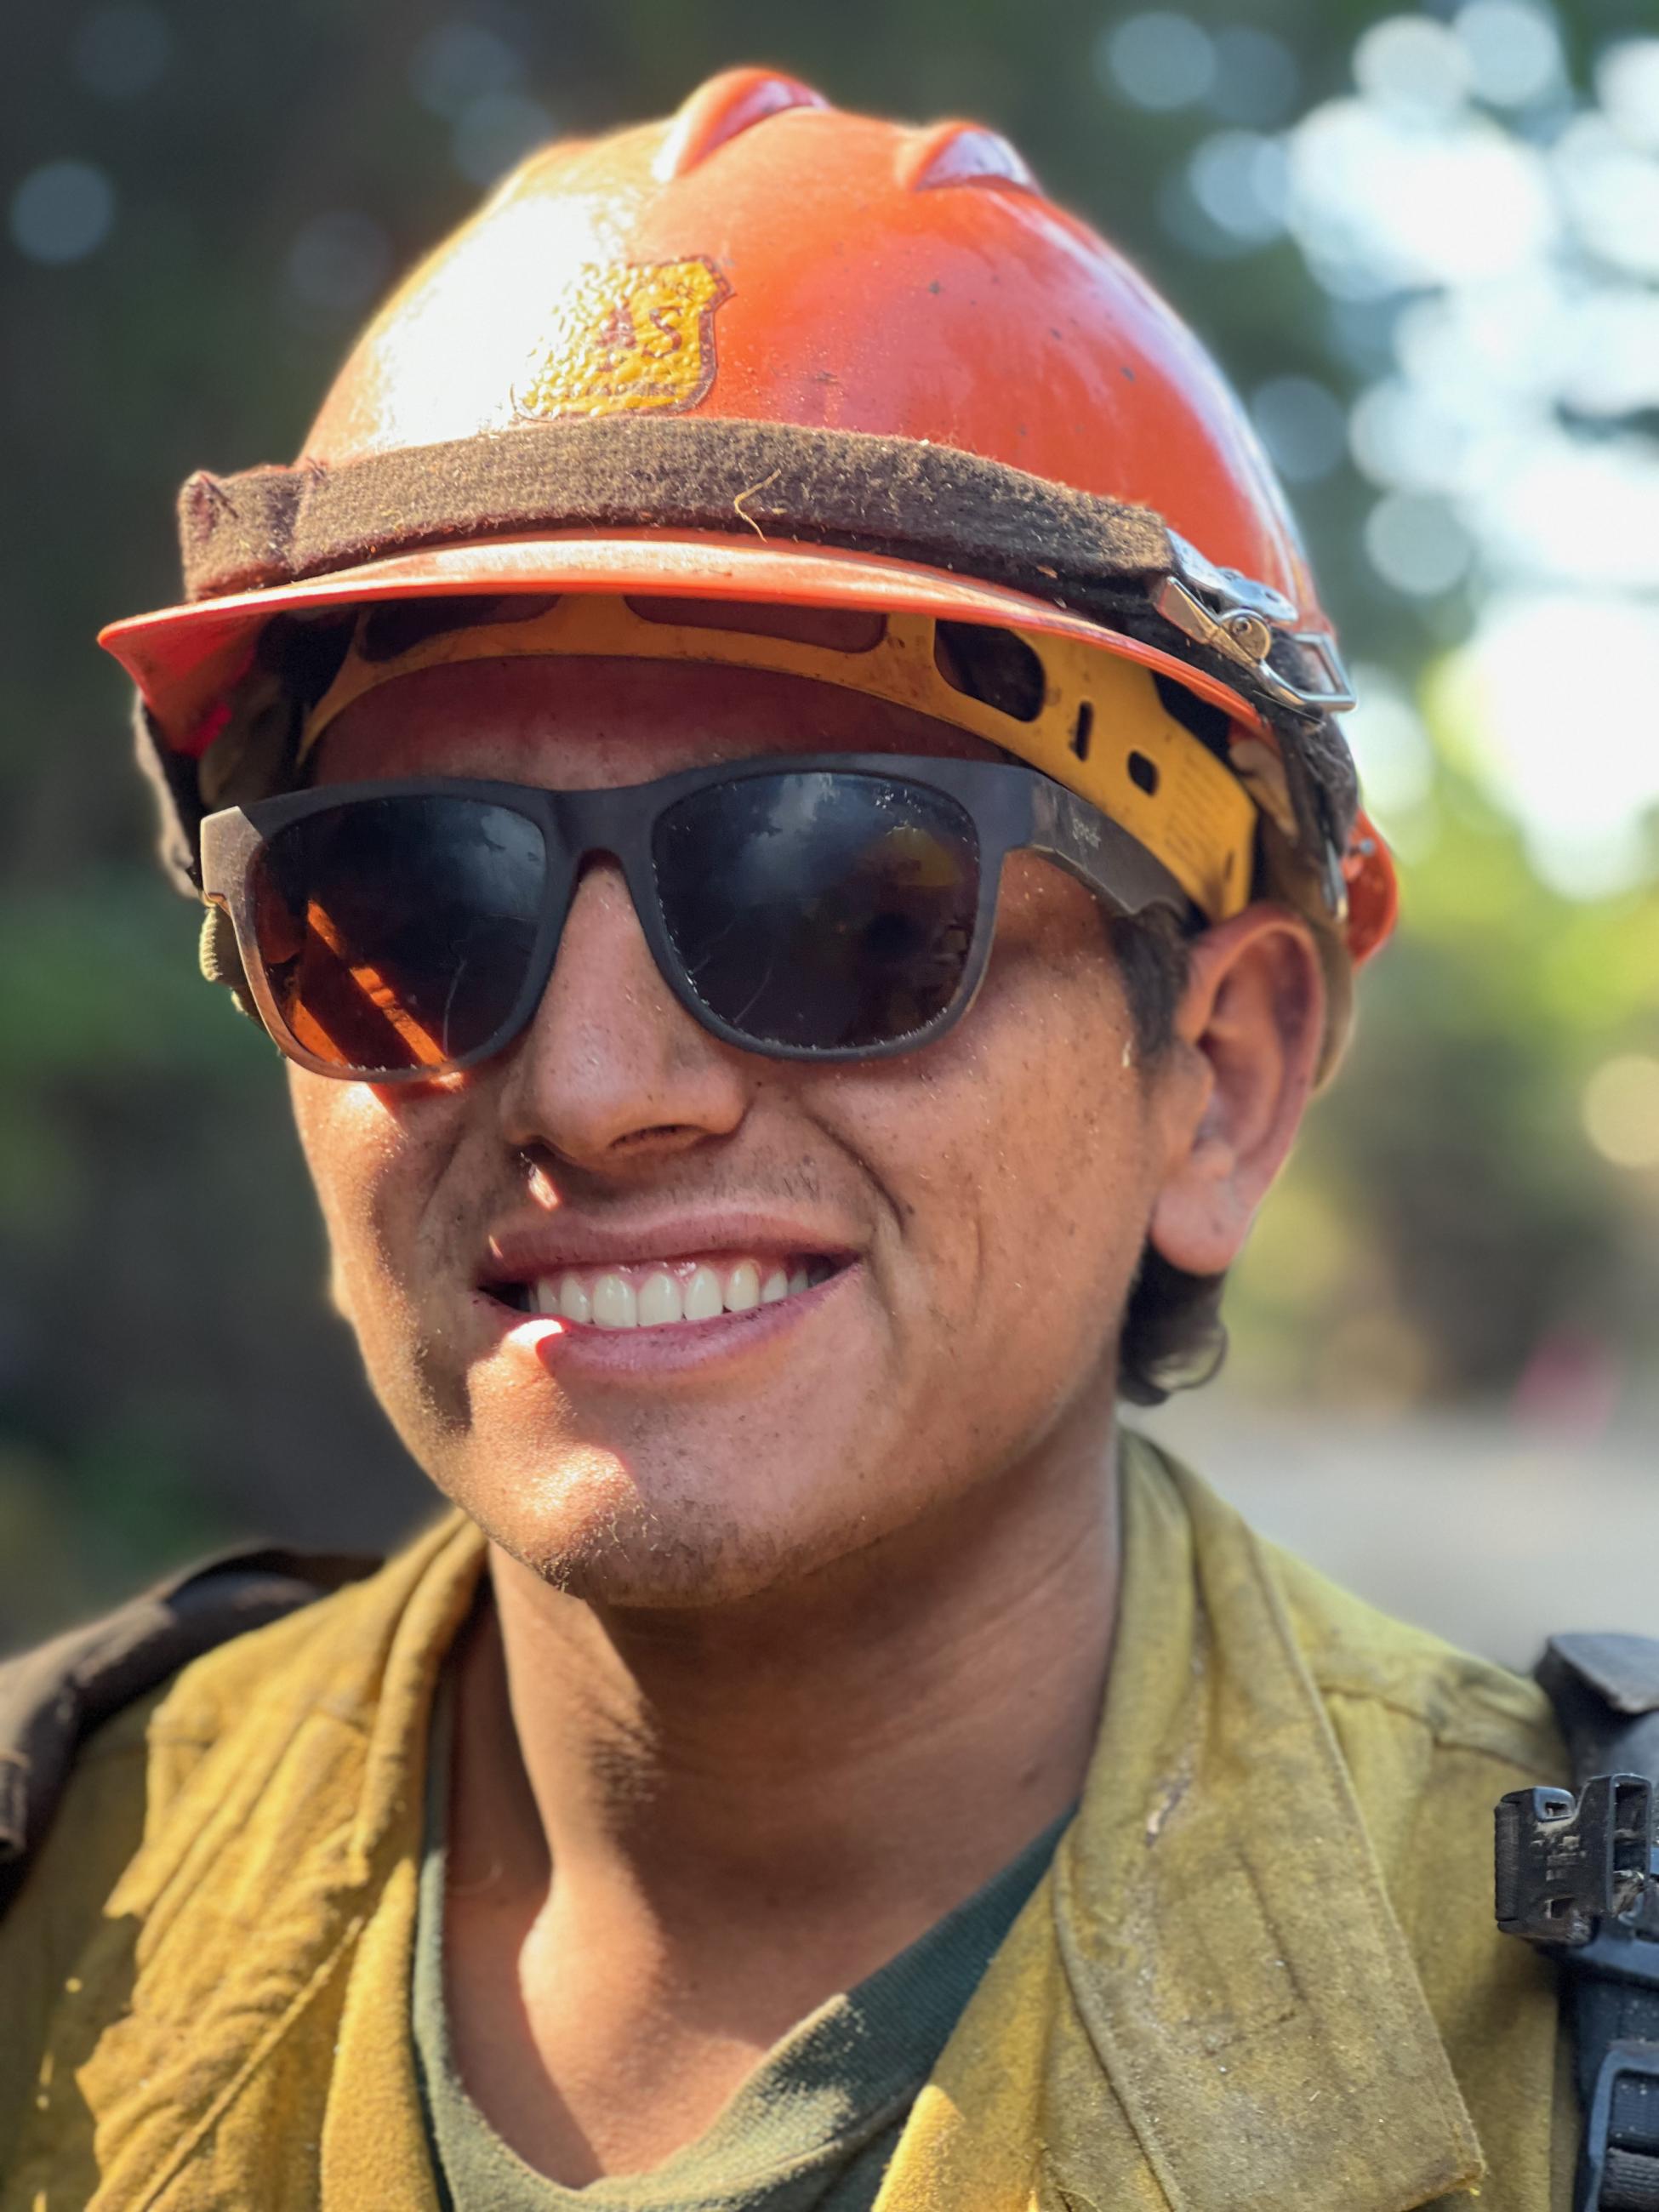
662	1296
660	1301
614	1304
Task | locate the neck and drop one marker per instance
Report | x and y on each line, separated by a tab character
871	1742
750	1806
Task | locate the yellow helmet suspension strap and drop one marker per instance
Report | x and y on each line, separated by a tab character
1092	720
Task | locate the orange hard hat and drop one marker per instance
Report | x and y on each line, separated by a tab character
769	350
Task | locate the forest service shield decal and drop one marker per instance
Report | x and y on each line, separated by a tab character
624	336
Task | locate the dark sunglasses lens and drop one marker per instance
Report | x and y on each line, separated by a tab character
395	934
820	911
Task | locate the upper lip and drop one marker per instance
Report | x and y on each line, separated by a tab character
521	1252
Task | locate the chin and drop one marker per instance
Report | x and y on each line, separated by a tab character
594	1528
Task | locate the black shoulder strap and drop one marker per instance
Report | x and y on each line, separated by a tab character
1578	1874
52	1697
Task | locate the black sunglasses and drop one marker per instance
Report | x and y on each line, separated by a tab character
829	907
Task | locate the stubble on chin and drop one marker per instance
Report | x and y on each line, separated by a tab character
582	1524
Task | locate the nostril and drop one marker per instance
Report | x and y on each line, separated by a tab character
664	1132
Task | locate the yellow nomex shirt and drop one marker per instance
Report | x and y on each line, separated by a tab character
1261	1976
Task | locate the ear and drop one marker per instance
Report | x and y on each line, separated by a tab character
1247	1040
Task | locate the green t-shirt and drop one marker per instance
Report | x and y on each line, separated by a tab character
813	2127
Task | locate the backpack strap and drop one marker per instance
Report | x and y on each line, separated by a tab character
1578	1874
52	1698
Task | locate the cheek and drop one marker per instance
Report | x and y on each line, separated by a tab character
376	1169
1018	1151
1063	1102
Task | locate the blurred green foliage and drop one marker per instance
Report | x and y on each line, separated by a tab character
169	1374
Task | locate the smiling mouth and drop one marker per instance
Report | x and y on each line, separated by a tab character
658	1293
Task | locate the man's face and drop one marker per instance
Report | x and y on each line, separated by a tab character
976	1208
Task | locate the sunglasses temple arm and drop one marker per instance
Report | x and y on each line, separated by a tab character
1100	853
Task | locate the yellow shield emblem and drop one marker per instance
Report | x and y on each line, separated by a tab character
625	337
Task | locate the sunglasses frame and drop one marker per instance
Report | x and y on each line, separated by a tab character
1012	808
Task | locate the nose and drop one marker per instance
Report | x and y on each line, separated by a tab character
612	1068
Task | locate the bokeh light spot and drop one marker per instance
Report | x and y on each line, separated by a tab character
338	261
1611	191
1621	1110
1257	78
1304	426
1382	201
496	130
1514	51
1240	180
1412	63
459	62
1416	545
122	50
1548	700
61	212
1627	84
1159	60
1395	757
1406	439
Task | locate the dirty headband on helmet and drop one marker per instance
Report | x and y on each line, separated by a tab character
902	497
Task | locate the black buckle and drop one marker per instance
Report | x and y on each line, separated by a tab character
1621	2139
1566	1864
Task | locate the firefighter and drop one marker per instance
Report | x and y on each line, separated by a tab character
773	772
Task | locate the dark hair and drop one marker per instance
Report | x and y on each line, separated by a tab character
1174	1337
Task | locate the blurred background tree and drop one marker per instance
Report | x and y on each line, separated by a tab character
1425	244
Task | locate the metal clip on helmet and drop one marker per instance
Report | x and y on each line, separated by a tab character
768	351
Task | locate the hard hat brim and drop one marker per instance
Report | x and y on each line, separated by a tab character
185	659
